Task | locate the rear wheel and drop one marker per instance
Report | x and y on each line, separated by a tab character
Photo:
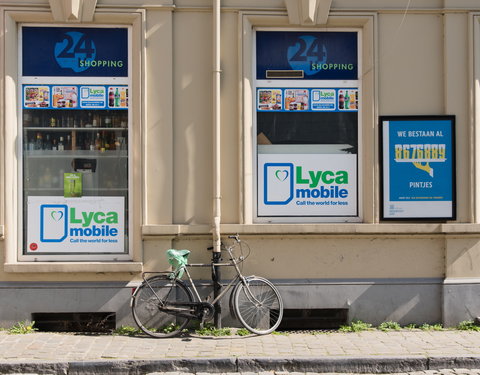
147	301
258	305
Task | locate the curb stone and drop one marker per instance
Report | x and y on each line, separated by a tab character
371	365
50	368
442	362
358	365
121	367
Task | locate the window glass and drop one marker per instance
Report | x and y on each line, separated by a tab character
307	126
74	137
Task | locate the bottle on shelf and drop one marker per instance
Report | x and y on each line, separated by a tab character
98	142
352	100
47	145
87	144
117	98
347	100
341	100
31	144
68	144
111	98
38	141
123	99
61	145
102	142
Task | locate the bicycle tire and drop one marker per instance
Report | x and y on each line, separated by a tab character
145	306
258	305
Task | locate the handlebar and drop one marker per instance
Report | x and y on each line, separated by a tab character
235	237
230	249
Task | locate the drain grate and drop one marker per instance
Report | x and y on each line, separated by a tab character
75	322
313	319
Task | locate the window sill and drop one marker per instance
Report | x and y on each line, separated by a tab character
84	267
153	231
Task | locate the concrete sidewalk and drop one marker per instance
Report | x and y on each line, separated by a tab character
363	352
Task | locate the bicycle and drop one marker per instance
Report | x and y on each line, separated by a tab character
163	304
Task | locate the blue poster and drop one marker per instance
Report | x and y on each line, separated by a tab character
419	162
74	52
320	55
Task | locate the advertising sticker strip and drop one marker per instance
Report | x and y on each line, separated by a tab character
36	96
75	225
418	167
307	185
75	97
307	99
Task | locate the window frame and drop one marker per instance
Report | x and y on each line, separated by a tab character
10	22
26	80
292	83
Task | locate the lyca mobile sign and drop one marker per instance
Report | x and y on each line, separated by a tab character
74	51
307	185
75	225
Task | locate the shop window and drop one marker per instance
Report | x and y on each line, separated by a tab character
307	101
74	136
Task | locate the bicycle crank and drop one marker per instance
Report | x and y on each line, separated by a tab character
204	311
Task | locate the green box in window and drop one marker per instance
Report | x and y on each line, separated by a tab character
72	185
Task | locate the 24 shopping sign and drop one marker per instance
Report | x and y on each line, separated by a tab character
75	225
307	185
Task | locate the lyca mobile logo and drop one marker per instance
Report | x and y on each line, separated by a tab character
284	181
53	222
57	222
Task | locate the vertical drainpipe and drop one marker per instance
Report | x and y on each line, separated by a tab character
216	160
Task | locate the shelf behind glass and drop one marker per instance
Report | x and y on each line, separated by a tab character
75	153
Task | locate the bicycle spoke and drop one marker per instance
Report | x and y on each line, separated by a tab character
258	306
151	304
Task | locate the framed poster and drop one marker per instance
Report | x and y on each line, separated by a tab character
418	167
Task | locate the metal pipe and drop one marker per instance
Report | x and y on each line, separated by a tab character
216	256
216	127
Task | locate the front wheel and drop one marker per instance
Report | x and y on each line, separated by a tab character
147	302
258	305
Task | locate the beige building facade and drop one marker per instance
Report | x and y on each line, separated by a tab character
192	172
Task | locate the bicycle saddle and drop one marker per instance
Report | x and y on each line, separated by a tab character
178	259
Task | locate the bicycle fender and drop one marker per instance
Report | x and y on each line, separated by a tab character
230	303
151	279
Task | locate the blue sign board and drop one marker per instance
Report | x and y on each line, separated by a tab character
74	52
320	55
418	167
